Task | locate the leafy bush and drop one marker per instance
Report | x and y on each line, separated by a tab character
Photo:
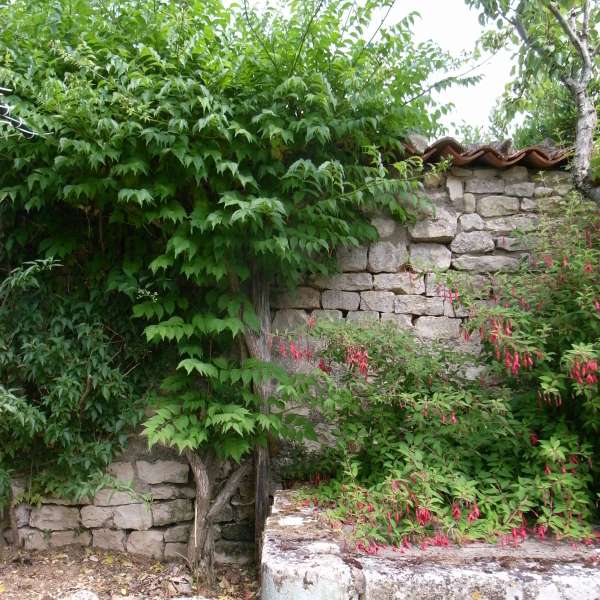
427	456
71	383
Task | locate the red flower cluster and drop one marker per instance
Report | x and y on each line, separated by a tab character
513	361
474	514
294	351
358	357
585	373
423	516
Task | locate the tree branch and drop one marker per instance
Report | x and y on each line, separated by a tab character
305	34
228	490
259	38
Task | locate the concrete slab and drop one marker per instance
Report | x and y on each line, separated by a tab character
304	559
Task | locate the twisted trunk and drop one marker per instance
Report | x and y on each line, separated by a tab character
587	121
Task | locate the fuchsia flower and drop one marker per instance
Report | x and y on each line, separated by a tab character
423	516
474	514
456	512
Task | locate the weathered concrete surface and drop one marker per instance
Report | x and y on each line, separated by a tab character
302	559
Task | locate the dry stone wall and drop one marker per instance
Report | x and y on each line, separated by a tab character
474	228
152	517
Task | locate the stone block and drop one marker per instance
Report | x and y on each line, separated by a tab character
486	173
433	180
386	227
175	551
178	533
338	299
163	471
515	175
173	511
362	316
379	301
352	259
461	172
398	320
109	539
528	204
430	257
497	206
32	539
471	222
386	257
504	225
419	305
562	189
543	192
469	203
122	471
21	514
54	518
288	319
400	283
432	288
350	282
146	543
227	513
485	186
441	228
133	516
234	553
455	188
170	492
515	244
96	516
486	264
473	241
437	328
238	532
112	497
301	297
327	315
70	538
520	189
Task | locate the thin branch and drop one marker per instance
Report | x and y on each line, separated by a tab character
228	490
304	34
383	20
259	38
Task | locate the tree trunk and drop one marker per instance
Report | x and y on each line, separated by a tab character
587	120
259	347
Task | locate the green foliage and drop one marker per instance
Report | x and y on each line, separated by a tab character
70	386
427	456
191	150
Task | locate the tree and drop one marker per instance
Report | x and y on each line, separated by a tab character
193	157
557	41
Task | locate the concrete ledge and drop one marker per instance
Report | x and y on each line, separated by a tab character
303	559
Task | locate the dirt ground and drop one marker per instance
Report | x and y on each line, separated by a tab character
55	574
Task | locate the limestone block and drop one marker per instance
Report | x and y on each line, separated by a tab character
485	186
301	297
352	259
351	282
553	177
473	241
21	514
175	551
288	319
469	203
385	226
112	497
471	222
32	539
338	299
486	173
234	553
433	180
379	301
122	471
419	305
133	516
528	204
454	309
401	283
432	288
172	511
520	189
543	192
386	257
109	539
430	257
515	244
178	533
70	538
461	172
503	225
363	316
169	492
497	206
96	516
441	228
227	513
437	328
563	188
146	543
455	188
398	320
515	175
486	264
163	471
54	518
327	315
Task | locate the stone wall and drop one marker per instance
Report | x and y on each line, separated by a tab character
472	229
153	518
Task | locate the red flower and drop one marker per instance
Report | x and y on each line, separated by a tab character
325	368
423	516
456	512
587	268
474	514
533	438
